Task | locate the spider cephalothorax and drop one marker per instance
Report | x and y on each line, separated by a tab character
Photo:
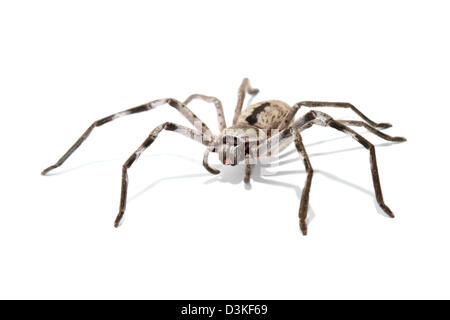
262	129
236	143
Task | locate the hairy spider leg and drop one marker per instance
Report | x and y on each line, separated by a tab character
323	119
188	114
316	104
243	89
169	126
372	130
217	103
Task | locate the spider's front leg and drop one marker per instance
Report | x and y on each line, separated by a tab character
180	107
277	143
323	119
320	118
372	130
169	126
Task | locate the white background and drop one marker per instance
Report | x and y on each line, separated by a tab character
189	234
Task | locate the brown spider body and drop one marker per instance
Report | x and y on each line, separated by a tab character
262	129
255	124
264	115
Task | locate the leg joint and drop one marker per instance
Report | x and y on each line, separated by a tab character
170	126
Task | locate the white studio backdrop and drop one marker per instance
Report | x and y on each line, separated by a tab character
189	234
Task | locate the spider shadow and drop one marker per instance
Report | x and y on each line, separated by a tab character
317	154
59	171
339	180
235	174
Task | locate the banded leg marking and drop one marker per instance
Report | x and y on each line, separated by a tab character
316	104
320	118
169	126
372	130
304	202
188	114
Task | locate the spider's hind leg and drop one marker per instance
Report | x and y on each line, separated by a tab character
322	104
325	120
372	130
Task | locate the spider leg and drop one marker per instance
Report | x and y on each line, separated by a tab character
372	129
243	89
188	114
325	120
217	103
303	211
315	104
320	118
248	168
279	142
187	132
206	164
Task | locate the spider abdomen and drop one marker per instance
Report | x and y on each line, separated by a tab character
264	115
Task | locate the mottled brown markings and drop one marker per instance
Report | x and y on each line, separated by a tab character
139	109
310	116
288	131
149	141
253	118
173	103
130	160
171	126
315	104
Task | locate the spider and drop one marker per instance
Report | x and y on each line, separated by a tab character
260	130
